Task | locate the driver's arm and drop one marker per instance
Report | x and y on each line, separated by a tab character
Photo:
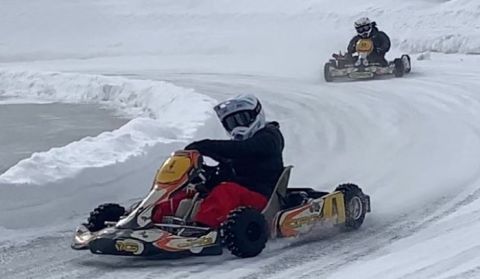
352	45
264	143
384	46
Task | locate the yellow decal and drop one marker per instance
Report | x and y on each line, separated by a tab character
202	241
173	169
307	220
334	207
364	45
129	245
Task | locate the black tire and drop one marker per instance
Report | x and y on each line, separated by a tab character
409	68
355	205
245	232
109	212
399	67
326	72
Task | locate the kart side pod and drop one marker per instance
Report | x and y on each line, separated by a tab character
345	207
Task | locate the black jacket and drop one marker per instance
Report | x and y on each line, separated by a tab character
257	161
381	42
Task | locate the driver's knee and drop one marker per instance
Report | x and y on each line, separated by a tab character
224	198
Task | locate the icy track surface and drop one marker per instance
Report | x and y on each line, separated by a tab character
413	143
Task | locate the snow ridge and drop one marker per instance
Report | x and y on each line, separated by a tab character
163	113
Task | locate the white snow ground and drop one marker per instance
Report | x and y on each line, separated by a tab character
411	143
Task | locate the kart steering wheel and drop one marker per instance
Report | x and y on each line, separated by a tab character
224	166
215	174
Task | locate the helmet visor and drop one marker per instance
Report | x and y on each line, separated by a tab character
238	119
363	28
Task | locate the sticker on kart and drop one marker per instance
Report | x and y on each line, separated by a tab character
129	245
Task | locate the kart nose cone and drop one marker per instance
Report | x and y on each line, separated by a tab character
81	238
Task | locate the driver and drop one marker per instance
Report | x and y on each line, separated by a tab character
367	29
254	153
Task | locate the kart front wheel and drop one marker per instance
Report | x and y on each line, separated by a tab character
109	212
245	232
326	72
356	206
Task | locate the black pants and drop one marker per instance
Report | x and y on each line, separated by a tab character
376	57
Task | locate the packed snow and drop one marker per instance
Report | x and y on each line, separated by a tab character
162	114
411	143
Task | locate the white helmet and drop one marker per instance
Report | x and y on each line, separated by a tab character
364	27
242	116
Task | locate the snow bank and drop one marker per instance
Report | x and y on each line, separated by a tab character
439	26
285	32
164	113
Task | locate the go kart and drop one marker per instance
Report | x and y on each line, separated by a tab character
359	67
113	230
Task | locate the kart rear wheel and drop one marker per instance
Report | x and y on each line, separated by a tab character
245	232
399	69
109	212
326	72
355	205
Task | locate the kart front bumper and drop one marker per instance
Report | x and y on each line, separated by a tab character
360	72
145	243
